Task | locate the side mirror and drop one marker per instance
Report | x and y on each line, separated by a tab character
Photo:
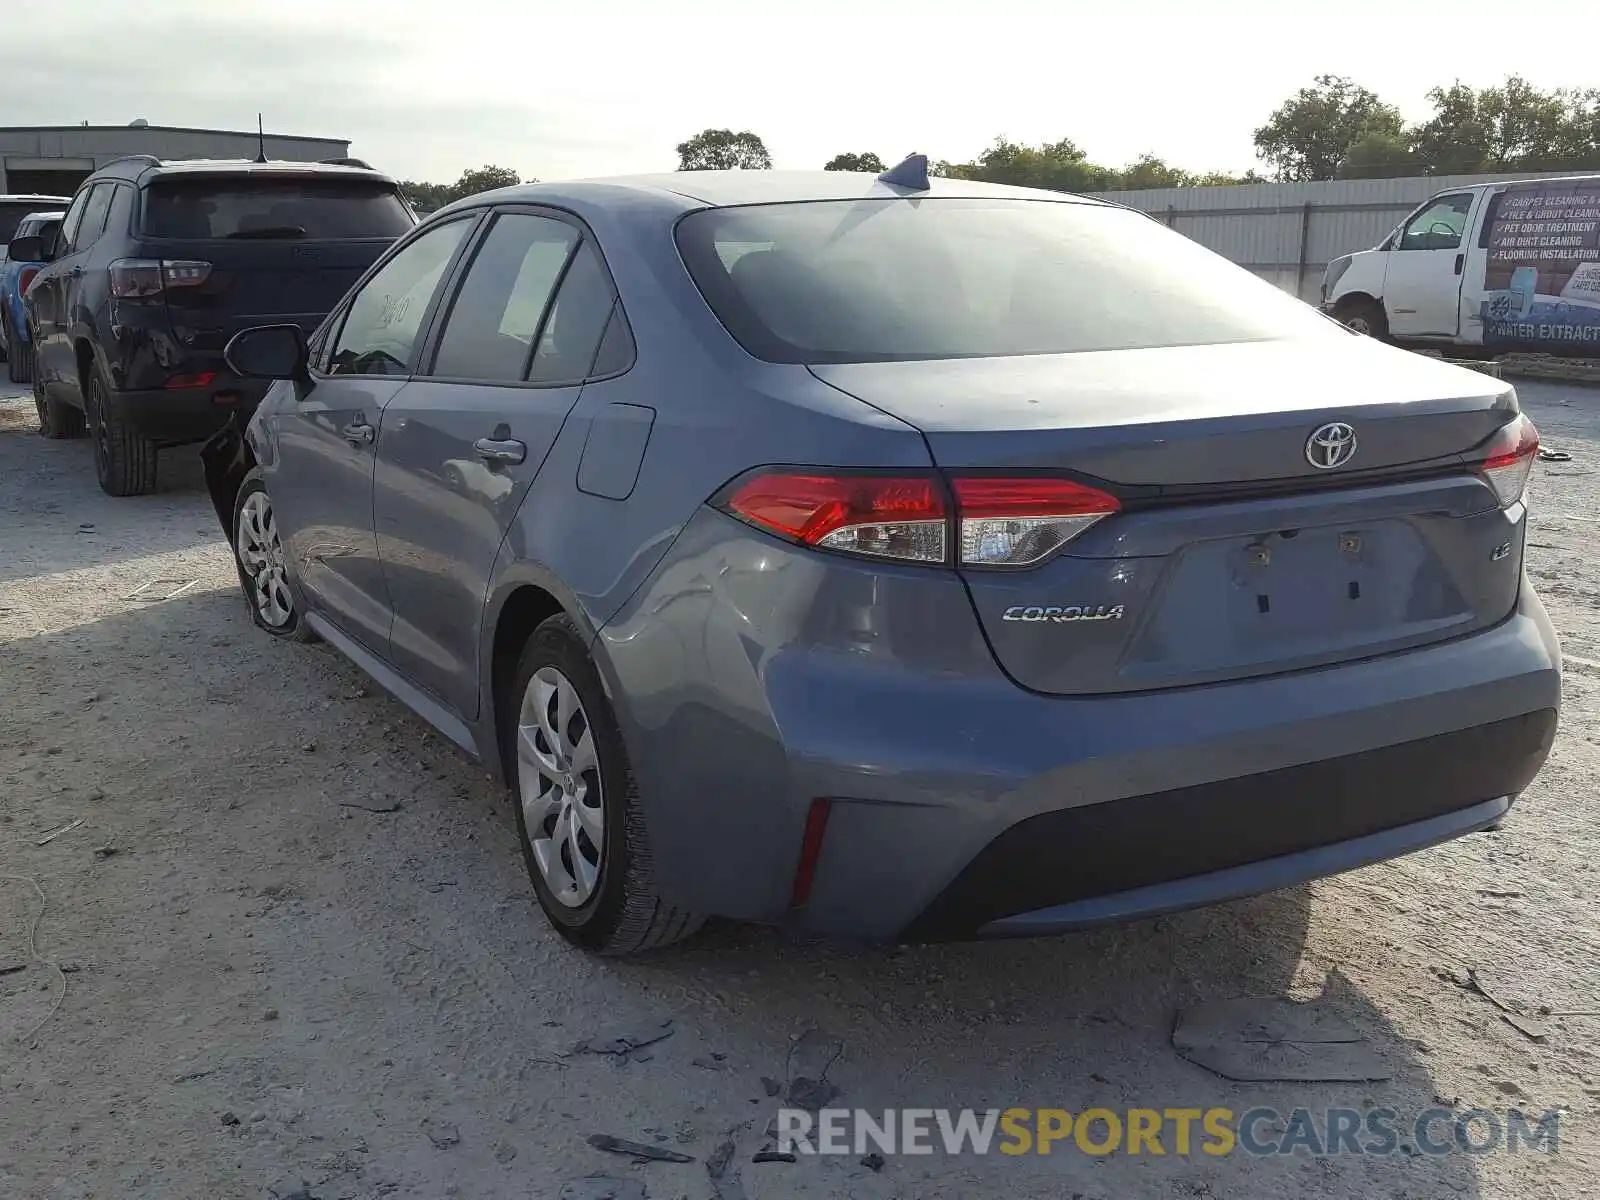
28	249
267	352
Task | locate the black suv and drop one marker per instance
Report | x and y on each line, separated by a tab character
157	264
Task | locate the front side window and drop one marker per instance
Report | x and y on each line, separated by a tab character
489	333
926	278
1439	226
380	333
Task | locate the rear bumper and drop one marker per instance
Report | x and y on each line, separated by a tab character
179	415
1150	854
751	681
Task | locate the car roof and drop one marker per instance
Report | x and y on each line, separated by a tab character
30	198
143	168
54	214
720	189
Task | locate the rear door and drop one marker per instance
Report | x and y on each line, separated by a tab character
275	246
322	480
461	444
1422	283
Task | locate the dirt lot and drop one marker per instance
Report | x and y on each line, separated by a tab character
261	990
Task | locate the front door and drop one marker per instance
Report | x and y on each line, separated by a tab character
49	297
461	445
322	480
1422	284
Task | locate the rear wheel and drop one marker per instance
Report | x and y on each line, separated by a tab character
124	461
577	804
1365	317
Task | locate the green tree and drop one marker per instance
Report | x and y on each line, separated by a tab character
1148	171
427	197
1377	154
1455	140
855	162
723	150
1511	127
484	179
1056	166
1227	179
1309	134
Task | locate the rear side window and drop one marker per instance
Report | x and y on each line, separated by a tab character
489	333
215	208
929	278
94	217
576	322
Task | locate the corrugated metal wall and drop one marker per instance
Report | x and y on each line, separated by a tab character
1288	232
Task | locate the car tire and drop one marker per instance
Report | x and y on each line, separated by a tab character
262	563
19	353
124	461
609	903
56	419
1365	317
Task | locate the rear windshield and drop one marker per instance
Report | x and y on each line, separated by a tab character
900	279
200	209
11	216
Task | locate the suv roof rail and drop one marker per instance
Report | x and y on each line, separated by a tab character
346	162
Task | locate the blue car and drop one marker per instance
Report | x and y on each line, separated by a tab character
19	217
897	557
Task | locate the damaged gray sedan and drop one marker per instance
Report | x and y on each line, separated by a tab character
897	557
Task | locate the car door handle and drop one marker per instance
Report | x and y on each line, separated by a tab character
1461	261
358	432
505	450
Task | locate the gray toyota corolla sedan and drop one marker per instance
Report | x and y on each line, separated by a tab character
897	558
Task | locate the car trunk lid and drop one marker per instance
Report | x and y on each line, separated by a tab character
1232	552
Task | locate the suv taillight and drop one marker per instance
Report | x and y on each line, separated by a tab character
143	278
1508	459
988	521
24	278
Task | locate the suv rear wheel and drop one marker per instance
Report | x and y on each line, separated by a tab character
124	461
577	804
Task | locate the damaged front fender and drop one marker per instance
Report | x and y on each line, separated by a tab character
227	458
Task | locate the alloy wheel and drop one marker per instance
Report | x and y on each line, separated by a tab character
261	554
559	786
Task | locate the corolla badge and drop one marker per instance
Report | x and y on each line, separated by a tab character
1331	445
1055	613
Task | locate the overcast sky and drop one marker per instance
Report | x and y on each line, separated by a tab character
425	88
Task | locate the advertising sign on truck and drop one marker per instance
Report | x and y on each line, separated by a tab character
1542	273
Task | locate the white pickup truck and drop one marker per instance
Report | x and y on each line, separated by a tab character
1490	269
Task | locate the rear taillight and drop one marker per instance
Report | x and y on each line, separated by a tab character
1019	522
884	516
144	278
1508	459
987	521
24	278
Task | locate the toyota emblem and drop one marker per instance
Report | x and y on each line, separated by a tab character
1331	445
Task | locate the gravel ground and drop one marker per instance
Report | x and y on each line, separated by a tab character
263	992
